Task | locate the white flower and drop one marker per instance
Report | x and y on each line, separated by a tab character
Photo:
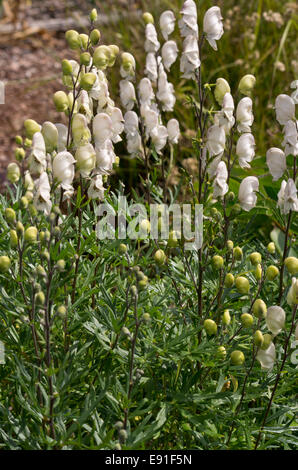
134	144
222	87
85	105
165	92
105	156
190	60
146	93
276	162
96	189
28	181
117	124
42	197
151	67
294	95
292	296
220	187
213	26
37	159
151	120
246	194
127	94
225	118
244	115
216	139
173	131
291	138
62	136
131	122
80	131
212	165
267	357
189	21
169	53
287	197
128	66
167	22
159	137
102	128
151	44
284	108
85	159
63	169
245	149
275	319
100	90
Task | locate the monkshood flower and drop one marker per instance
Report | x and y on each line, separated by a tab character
28	181
225	118
159	136
146	94
85	105
105	156
117	123
80	131
127	94
221	88
85	159
246	194
42	197
151	43
212	165
213	26
292	297
216	140
96	189
245	149
275	319
62	136
63	169
169	54
220	186
189	22
37	158
284	108
151	120
290	141
131	122
276	162
50	135
190	60
128	65
246	84
134	144
294	95
100	90
287	197
173	131
244	115
151	67
167	22
165	91
102	128
267	357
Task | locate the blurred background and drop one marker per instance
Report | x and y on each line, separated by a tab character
260	38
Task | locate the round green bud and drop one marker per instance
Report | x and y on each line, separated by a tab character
60	265
13	238
101	57
146	317
56	231
24	202
140	275
61	101
217	262
125	331
230	245
40	271
258	338
87	81
27	143
122	248
237	358
31	234
229	280
94	37
20	228
255	258
31	127
258	272
84	39
4	264
72	38
236	210
136	269
61	310
93	15
226	317
118	425
259	308
242	285
45	255
291	264
246	84
267	340
19	140
142	284
272	272
247	320
40	298
66	67
122	435
221	88
85	58
238	254
134	291
210	327
20	154
29	195
160	257
221	352
145	226
231	196
173	241
271	248
148	18
13	173
10	215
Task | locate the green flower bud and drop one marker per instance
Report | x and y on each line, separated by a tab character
148	18
20	154
142	284
255	258
128	63
226	317
231	196
292	297
145	226
247	320
24	202
93	15
230	245
72	38
45	255
173	241
20	229
31	234
95	37
271	248
122	435
126	331
61	310
221	88
101	57
118	425
85	58
13	173
4	264
32	210
29	195
258	338
291	264
272	272
236	210
258	272
60	265
247	84
259	308
56	210
50	135
114	51
122	248
40	271
60	101
10	215
160	257
84	39
237	358
40	298
267	341
217	262
242	285
27	143
13	239
238	254
134	291
56	231
31	127
146	317
19	140
229	280
210	327
221	351
87	81
66	67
